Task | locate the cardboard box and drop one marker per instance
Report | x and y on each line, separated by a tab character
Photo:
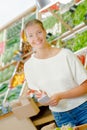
82	127
51	126
25	108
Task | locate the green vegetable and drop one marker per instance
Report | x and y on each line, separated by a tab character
3	88
57	128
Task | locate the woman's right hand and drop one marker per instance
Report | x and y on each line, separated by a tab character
40	94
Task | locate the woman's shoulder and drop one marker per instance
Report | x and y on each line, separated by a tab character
63	51
67	51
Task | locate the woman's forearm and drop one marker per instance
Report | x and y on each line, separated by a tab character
72	93
75	92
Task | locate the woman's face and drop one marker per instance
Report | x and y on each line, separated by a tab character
36	36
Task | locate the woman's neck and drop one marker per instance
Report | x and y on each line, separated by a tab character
46	52
43	52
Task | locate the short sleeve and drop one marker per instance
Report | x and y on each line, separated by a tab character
78	71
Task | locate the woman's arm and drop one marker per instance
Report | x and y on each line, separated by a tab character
72	93
75	92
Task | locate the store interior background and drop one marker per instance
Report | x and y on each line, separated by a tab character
65	26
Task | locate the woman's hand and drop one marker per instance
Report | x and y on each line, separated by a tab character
54	100
39	95
72	93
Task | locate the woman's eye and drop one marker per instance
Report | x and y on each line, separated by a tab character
39	32
30	36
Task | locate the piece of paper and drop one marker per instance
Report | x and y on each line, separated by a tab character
44	99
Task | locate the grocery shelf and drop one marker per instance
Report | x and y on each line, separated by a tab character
81	51
6	66
78	29
67	8
43	120
43	117
69	34
3	94
27	12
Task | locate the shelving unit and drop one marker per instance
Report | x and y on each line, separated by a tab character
12	47
59	15
69	34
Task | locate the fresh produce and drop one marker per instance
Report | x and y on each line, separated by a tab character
65	127
81	58
14	93
3	87
75	43
75	18
20	67
6	73
57	128
17	79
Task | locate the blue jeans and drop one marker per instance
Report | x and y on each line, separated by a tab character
74	117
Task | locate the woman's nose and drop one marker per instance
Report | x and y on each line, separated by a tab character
36	37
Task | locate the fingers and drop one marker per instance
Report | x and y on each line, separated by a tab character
53	103
39	93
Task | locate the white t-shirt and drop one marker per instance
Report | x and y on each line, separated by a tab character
57	74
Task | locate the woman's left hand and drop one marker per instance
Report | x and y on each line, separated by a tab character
54	100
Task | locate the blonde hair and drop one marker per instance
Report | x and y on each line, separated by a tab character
33	22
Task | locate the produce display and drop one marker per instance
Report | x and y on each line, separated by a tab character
3	88
18	79
15	85
6	74
64	128
74	18
76	43
71	17
82	58
13	95
9	53
20	68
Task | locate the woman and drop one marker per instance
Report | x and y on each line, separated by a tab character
58	73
